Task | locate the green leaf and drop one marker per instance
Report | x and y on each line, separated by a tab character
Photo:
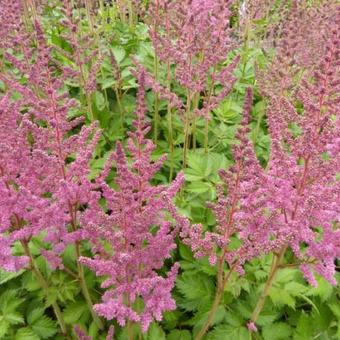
277	331
155	332
44	327
9	302
323	290
197	289
281	297
295	288
14	318
108	83
199	320
177	334
93	330
170	319
26	334
119	53
35	315
335	308
100	101
51	296
4	326
73	312
7	276
228	332
29	282
185	252
304	329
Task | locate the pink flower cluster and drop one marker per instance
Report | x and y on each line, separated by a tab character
44	169
194	37
243	179
133	237
45	187
294	202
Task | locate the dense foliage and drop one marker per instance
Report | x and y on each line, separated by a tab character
169	169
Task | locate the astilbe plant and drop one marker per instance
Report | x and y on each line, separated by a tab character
135	234
57	166
300	45
302	190
23	175
294	202
84	58
193	39
243	177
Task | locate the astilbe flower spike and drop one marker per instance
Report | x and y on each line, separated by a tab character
58	160
22	182
193	40
301	177
244	176
193	35
300	196
131	240
68	183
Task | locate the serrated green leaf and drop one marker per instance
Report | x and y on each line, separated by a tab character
304	328
73	312
51	296
197	290
234	319
108	83
155	332
7	276
26	333
277	331
29	282
44	327
295	288
200	318
9	302
35	315
285	275
178	334
14	318
323	290
335	308
4	326
93	330
99	100
281	297
228	332
119	53
185	252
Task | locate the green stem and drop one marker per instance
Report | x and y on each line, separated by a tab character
170	125
85	290
276	265
206	136
120	108
156	110
222	281
211	315
186	130
171	143
129	330
89	106
89	15
195	106
44	285
131	15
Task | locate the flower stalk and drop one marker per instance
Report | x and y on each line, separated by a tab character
45	286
